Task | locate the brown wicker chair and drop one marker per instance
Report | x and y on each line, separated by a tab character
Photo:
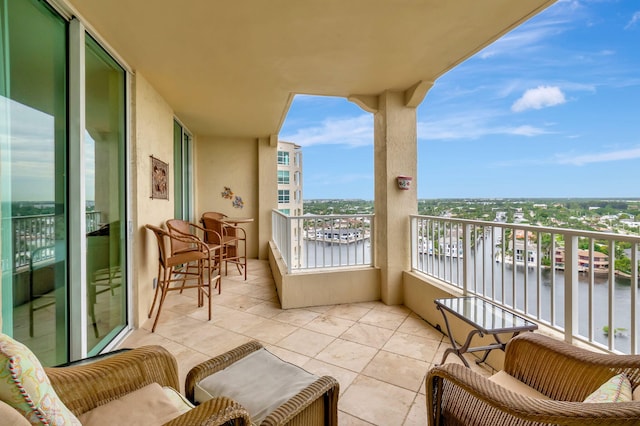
84	387
183	228
179	266
232	238
317	404
565	373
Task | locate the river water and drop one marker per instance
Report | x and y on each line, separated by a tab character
539	286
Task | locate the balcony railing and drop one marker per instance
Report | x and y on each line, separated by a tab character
583	284
315	242
36	235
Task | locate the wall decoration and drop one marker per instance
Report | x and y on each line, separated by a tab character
159	179
238	203
236	200
227	193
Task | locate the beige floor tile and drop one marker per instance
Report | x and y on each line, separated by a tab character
176	329
393	309
383	319
265	309
412	346
297	317
349	355
351	312
333	326
212	340
243	302
320	309
342	375
369	335
377	402
305	342
237	321
270	331
419	327
345	419
288	356
398	370
417	413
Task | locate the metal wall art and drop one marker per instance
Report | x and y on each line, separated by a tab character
159	179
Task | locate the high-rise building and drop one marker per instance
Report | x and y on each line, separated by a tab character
290	194
290	178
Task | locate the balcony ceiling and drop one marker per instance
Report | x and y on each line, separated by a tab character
230	68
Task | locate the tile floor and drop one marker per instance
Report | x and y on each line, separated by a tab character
380	354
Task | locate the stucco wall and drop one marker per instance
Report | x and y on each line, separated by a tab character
220	162
325	287
419	294
152	134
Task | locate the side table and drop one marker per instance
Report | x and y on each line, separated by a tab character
486	318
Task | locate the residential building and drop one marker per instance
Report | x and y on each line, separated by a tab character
290	179
120	114
290	200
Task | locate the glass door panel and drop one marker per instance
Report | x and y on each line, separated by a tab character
33	140
104	170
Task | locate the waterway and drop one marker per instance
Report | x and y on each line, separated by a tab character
541	285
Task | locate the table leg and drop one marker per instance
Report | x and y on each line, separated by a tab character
458	350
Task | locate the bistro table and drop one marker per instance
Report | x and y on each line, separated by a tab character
486	318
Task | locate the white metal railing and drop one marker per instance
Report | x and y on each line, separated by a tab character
35	236
328	241
563	278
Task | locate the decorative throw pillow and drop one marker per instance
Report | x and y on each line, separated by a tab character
25	386
616	389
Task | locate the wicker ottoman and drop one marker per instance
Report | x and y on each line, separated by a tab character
273	391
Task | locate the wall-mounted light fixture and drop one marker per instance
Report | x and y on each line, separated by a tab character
404	182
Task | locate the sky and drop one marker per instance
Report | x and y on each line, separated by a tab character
550	110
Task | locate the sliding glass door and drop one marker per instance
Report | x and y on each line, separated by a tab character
104	169
62	185
33	141
182	181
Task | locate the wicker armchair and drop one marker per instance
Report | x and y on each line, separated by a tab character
84	387
317	404
567	374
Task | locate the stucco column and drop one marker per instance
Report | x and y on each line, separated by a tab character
267	190
395	142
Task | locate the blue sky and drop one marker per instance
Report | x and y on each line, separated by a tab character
550	110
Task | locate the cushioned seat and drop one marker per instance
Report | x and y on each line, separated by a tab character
273	391
133	387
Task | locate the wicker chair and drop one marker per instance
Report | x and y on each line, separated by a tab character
180	267
317	404
84	387
182	228
566	374
232	238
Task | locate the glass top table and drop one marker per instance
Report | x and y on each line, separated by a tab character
486	318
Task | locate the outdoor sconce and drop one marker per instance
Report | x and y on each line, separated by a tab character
404	182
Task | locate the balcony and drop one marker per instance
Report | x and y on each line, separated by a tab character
380	354
587	298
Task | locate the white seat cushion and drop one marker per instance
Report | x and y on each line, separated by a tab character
260	382
509	382
149	405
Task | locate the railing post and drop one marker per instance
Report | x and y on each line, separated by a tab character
570	287
413	229
287	233
467	272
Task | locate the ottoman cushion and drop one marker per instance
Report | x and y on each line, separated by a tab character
260	382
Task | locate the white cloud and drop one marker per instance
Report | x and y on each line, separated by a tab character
634	20
473	124
581	160
352	131
538	98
